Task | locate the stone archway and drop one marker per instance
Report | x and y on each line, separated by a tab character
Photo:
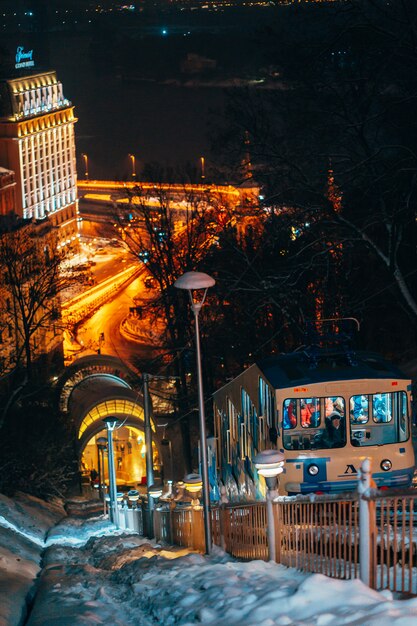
87	366
98	386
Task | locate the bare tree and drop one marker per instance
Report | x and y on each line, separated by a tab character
345	105
31	279
170	229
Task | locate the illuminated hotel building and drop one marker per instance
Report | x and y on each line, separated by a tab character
37	142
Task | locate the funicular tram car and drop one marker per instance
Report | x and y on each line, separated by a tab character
325	414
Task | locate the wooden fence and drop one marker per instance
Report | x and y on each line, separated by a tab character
393	540
322	534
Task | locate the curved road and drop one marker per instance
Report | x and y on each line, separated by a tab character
107	320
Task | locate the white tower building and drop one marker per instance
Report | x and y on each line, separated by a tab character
37	142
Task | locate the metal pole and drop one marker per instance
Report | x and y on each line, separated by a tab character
270	495
364	486
171	462
103	486
103	471
112	480
203	439
148	445
99	470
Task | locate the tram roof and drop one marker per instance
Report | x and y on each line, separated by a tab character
300	368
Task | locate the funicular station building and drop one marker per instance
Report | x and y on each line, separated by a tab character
99	386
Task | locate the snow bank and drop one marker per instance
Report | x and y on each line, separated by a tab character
123	579
94	574
24	523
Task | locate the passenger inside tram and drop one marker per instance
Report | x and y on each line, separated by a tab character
380	411
333	436
359	409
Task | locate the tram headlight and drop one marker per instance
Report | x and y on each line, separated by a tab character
386	465
313	470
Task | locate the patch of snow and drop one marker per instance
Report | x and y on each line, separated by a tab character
94	574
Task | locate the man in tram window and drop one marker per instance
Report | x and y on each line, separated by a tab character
333	435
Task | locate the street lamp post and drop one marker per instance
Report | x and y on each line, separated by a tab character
167	442
148	445
85	157
194	281
203	173
154	493
133	160
101	445
111	423
270	463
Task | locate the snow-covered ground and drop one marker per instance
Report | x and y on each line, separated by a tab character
94	575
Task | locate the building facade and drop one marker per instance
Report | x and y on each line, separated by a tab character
37	142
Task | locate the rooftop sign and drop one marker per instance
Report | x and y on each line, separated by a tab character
24	59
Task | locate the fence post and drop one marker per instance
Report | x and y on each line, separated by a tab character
366	524
270	495
156	524
172	505
222	513
196	527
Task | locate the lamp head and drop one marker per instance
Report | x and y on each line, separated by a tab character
133	495
111	422
269	463
194	280
193	483
155	491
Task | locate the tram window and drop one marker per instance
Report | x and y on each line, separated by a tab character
310	412
402	402
313	432
381	407
389	424
359	409
290	414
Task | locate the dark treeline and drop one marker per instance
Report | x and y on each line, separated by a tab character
335	151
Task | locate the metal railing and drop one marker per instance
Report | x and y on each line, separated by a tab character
369	534
393	540
320	535
242	530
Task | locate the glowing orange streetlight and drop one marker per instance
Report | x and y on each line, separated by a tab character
133	159
203	175
85	157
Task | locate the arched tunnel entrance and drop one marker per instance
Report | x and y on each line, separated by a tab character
98	386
